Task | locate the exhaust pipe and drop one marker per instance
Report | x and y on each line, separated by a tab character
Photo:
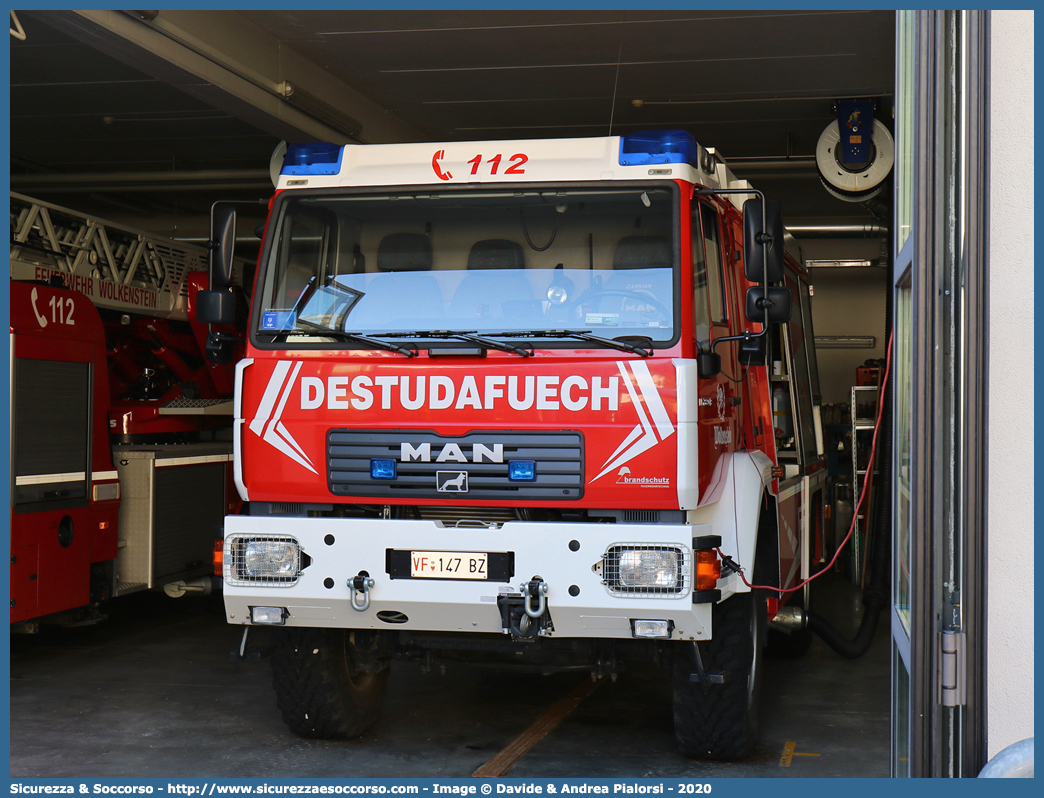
788	620
203	586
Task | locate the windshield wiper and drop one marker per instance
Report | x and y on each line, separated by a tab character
462	335
583	335
356	338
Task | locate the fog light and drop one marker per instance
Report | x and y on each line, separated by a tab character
660	629
272	615
271	558
521	470
383	469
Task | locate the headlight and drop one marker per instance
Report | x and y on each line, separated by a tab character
278	558
646	570
266	560
649	569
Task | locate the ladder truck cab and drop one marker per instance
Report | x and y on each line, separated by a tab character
531	402
120	429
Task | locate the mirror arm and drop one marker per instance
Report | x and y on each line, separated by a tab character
746	335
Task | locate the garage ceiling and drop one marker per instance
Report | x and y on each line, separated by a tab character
90	103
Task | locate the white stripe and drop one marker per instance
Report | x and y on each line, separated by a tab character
791	491
634	433
286	394
237	393
284	433
644	443
272	390
103	476
279	436
47	479
237	458
203	458
634	397
652	398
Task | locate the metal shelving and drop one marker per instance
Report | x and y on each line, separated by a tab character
860	424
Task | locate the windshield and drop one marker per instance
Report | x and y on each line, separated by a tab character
488	261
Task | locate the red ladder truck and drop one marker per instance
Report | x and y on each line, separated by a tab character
532	402
120	428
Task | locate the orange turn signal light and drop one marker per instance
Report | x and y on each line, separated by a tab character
219	556
708	569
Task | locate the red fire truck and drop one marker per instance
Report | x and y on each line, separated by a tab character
529	402
120	429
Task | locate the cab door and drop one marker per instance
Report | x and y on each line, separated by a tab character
718	395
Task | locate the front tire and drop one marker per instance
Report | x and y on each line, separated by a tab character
319	690
720	721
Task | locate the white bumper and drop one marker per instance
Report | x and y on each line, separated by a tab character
539	549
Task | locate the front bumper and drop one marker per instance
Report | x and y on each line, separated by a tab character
340	548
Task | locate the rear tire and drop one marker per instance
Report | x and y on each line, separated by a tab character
721	721
319	691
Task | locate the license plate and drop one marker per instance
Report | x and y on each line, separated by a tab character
449	564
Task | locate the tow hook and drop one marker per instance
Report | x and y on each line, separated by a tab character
535	589
363	583
525	615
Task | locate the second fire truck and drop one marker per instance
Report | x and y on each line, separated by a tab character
120	428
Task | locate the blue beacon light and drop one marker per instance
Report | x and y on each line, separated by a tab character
312	159
383	469
658	146
522	470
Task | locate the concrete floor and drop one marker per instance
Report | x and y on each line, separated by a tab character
152	692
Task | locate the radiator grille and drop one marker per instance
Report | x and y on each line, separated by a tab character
189	505
559	458
234	563
640	516
51	429
622	579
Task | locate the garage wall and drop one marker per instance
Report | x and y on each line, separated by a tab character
846	301
1009	674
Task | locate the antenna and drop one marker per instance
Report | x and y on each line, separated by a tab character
616	83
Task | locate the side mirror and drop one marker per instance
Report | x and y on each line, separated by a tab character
223	242
762	243
708	364
215	307
777	300
752	352
220	348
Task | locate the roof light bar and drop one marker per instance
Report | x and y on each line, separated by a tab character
312	159
658	146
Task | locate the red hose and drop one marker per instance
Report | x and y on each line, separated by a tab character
862	495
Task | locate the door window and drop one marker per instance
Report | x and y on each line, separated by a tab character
708	221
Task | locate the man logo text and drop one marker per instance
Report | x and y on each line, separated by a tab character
451	453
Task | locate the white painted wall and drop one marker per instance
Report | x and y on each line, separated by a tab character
846	301
1009	674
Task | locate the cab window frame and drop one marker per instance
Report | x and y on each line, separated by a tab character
709	217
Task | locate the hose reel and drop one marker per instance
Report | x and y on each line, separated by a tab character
861	178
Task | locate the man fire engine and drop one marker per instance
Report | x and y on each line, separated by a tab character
531	402
120	429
